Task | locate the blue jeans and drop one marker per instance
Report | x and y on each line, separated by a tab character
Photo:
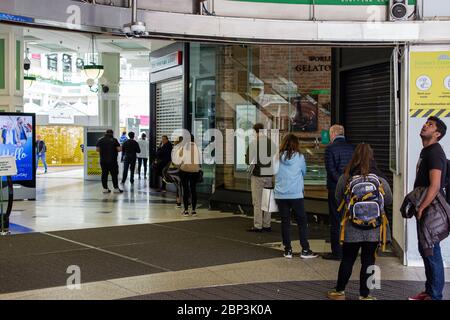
42	157
434	271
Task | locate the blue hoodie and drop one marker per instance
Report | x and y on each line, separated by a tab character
289	182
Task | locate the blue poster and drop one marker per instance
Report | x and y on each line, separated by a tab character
16	139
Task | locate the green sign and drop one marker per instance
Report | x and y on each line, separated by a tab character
18	65
2	64
331	2
320	91
325	136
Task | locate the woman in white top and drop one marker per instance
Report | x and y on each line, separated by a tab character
143	155
189	160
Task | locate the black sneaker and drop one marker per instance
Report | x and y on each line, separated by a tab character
330	256
194	213
186	213
288	253
308	254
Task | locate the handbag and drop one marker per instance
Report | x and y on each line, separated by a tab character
268	203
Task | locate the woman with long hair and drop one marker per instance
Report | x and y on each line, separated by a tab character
356	237
289	188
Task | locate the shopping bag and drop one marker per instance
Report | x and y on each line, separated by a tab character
268	203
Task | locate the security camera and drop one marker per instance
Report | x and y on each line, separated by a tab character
105	88
26	64
135	29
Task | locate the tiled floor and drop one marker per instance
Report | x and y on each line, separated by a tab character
138	245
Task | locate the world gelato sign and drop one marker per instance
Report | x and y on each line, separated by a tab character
330	2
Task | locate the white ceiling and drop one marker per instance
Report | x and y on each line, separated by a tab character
46	41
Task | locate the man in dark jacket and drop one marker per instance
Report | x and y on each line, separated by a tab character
163	158
130	149
337	155
109	149
430	174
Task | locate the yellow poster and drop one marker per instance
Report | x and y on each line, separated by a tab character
430	84
93	165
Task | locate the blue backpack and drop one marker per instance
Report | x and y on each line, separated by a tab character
364	205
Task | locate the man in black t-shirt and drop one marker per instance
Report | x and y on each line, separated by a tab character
431	171
130	149
109	148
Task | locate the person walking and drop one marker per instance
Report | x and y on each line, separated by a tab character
130	149
41	150
362	166
188	157
123	138
337	156
261	176
109	149
163	158
288	193
430	173
143	155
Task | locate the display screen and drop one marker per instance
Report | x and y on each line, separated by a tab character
16	140
93	137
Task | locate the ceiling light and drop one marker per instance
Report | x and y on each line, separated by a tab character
93	70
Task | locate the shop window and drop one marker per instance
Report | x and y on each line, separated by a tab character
285	88
52	62
63	144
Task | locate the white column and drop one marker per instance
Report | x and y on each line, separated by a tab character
11	69
108	103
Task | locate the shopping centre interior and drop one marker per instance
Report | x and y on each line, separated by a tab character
138	245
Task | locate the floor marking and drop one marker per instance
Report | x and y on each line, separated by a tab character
107	252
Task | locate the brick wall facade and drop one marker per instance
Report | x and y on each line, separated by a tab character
276	69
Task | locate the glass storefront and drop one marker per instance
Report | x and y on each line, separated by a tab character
63	144
284	87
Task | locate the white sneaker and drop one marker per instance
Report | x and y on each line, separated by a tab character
106	191
118	191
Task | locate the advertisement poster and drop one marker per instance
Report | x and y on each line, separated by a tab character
93	165
430	84
304	117
16	140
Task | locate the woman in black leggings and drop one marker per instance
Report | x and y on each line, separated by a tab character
355	237
189	155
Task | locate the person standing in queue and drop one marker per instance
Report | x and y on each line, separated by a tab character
337	156
130	149
109	149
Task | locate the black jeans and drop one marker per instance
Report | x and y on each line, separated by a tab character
189	183
335	224
349	254
285	206
128	163
140	160
113	169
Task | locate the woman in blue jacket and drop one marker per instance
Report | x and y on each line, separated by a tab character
289	187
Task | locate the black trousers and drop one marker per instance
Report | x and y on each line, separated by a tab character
285	206
128	164
349	254
335	224
140	161
189	183
113	169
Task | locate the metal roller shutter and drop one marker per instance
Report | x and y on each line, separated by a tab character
366	97
169	108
